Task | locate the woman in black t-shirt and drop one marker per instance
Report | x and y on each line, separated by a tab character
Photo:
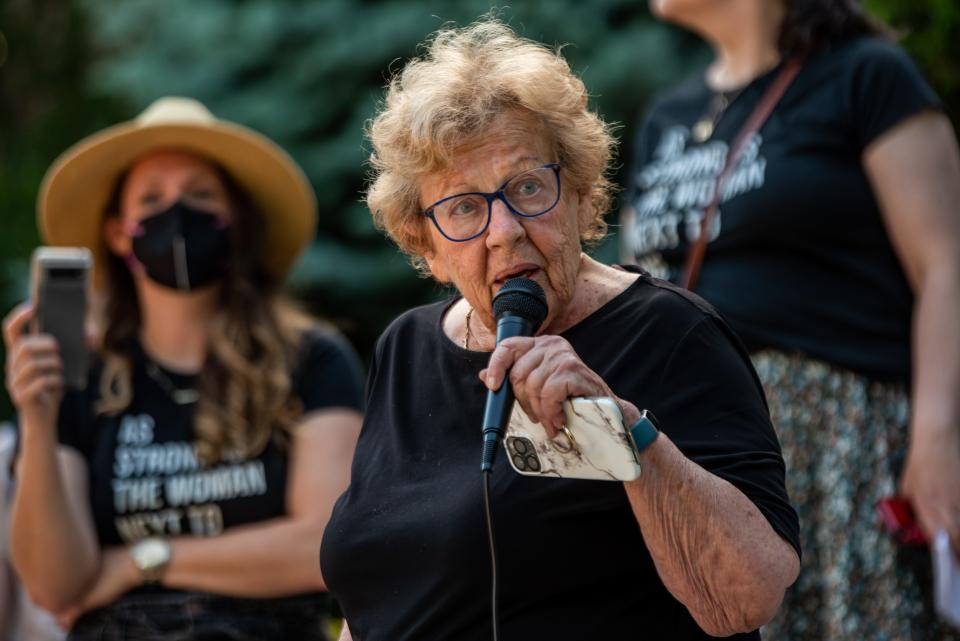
835	248
489	166
184	491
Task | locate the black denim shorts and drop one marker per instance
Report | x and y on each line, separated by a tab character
199	616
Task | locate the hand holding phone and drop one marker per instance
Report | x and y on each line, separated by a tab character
593	444
60	281
900	522
33	370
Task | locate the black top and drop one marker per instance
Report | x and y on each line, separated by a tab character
145	478
802	261
405	552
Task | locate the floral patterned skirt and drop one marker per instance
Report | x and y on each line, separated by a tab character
844	442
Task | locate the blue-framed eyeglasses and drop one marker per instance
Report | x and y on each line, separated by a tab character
463	217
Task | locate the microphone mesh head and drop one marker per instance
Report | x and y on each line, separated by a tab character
522	297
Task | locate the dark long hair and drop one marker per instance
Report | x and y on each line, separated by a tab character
810	25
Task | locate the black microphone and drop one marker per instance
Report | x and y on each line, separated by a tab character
519	308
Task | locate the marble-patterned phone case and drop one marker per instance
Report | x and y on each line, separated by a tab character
599	448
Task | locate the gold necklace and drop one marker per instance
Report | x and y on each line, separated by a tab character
703	128
466	335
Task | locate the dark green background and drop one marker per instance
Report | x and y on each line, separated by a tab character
308	74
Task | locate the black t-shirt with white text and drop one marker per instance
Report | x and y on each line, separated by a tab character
405	552
144	474
799	258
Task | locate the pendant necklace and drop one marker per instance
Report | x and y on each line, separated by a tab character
180	396
720	99
704	127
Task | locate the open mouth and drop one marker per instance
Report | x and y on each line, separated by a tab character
524	272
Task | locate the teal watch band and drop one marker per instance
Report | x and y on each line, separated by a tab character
644	431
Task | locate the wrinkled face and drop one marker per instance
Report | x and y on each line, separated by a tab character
158	180
545	248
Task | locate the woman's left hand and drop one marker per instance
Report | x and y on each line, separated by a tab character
118	575
931	480
545	371
921	151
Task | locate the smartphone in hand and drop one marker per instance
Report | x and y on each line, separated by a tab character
60	278
899	521
594	444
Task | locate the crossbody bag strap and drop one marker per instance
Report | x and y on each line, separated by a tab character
691	270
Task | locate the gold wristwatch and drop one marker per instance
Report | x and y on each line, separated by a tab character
151	556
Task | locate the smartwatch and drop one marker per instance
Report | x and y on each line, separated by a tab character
644	432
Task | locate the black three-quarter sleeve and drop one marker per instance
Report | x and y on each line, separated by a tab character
329	373
713	408
885	88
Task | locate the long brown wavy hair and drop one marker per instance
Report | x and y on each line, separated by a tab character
254	338
810	25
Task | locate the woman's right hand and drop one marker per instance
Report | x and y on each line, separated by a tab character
34	369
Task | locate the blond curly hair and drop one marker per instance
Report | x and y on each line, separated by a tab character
450	96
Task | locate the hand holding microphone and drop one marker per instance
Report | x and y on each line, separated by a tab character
541	372
519	308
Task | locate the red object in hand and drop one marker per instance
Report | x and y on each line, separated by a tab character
899	521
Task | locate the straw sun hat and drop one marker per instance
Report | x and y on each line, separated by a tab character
77	187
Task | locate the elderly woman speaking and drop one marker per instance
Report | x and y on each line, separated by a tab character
488	165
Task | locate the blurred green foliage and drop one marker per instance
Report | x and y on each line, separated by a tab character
45	105
309	74
930	31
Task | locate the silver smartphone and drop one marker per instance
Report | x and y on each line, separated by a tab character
593	444
60	284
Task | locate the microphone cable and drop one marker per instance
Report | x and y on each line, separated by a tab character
520	307
493	555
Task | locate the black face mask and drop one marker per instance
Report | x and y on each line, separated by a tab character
183	248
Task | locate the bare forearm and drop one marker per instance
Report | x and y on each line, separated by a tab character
282	556
269	559
713	549
936	362
53	548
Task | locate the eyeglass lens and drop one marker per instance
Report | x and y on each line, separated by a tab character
531	193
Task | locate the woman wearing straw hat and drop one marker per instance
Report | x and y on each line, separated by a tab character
185	490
